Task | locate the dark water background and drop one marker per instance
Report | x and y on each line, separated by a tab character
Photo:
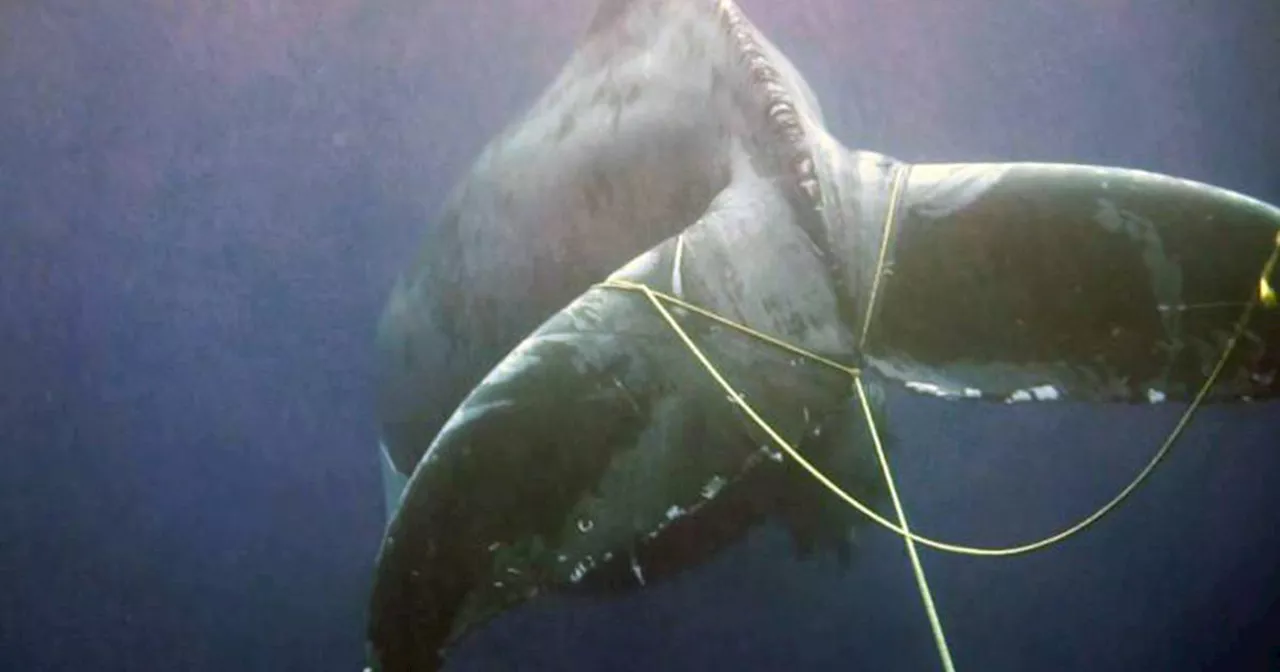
203	207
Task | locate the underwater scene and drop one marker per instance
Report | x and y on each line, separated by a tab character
620	335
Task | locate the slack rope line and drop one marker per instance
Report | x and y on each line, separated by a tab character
1265	296
660	300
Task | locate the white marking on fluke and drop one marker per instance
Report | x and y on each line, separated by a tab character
1045	393
635	569
712	488
1155	396
580	570
928	388
1037	393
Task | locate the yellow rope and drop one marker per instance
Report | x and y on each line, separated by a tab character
1265	296
760	335
900	176
658	298
935	622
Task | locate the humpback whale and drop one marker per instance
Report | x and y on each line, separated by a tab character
544	432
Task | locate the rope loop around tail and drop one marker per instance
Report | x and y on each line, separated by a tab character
1265	297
